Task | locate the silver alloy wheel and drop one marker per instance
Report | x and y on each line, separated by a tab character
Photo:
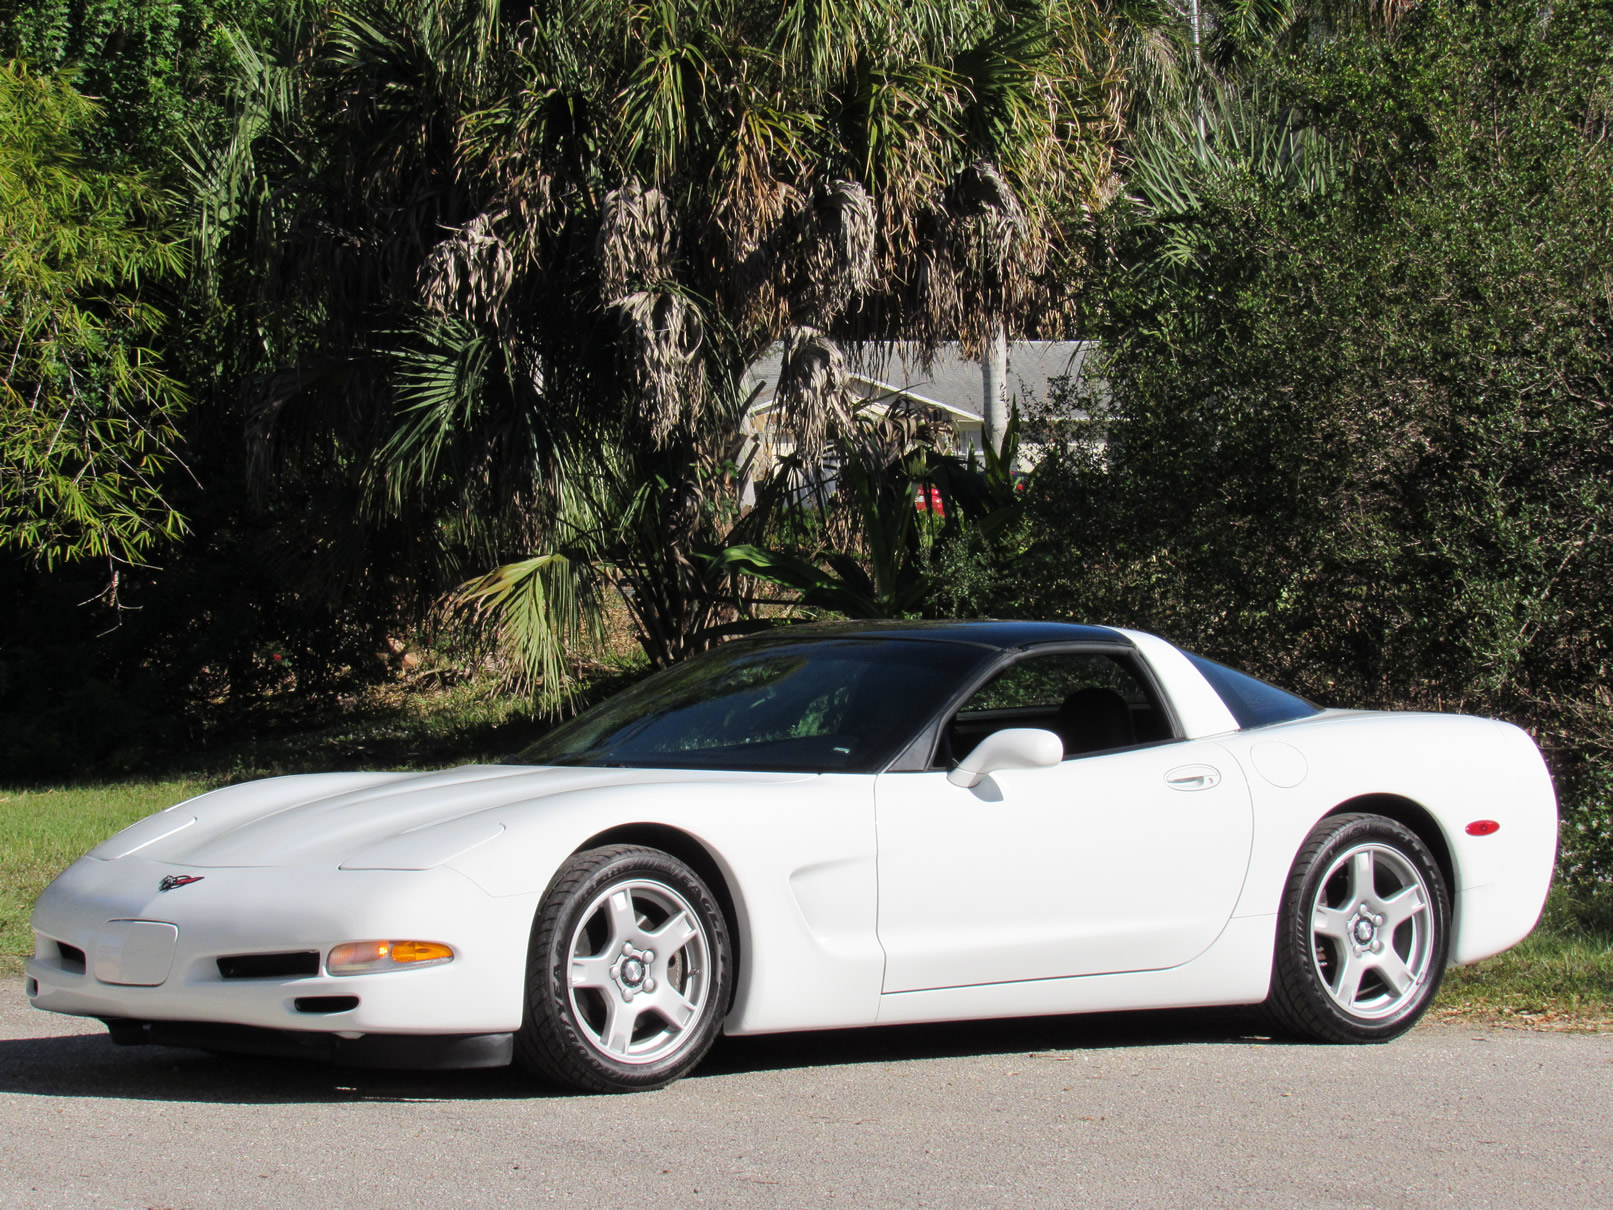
639	975
1372	931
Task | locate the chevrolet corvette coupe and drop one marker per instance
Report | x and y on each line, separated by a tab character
832	825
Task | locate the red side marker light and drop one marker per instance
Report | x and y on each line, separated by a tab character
1483	827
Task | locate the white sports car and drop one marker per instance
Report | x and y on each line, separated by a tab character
832	825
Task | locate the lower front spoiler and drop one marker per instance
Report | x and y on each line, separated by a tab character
415	1052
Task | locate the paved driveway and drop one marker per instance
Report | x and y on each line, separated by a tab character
1151	1110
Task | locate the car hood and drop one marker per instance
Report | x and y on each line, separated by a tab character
370	820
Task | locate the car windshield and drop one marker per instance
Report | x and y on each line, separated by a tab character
813	706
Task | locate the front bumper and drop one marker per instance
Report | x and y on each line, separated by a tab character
85	916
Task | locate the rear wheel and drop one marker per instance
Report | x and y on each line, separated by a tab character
628	973
1362	933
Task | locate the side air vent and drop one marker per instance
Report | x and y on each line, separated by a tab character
269	966
72	958
325	1004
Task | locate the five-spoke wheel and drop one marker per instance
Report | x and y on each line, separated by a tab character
629	972
1361	934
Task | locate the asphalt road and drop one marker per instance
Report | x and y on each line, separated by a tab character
1155	1110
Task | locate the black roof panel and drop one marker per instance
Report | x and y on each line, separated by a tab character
985	632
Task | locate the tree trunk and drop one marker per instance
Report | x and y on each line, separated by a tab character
994	384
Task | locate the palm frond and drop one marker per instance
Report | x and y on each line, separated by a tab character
544	609
469	273
1243	133
812	391
665	333
439	385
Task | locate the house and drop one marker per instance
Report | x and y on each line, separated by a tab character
951	387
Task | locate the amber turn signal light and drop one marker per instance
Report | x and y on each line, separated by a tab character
420	951
368	957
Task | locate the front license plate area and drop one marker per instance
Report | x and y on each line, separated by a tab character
135	953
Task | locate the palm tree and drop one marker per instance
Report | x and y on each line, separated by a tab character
516	260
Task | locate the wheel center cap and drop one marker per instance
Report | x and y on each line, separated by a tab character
1364	931
631	971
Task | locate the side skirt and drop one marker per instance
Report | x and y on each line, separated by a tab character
1235	970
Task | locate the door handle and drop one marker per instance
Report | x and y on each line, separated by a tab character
1193	777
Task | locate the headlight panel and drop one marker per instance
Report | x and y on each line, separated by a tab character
371	957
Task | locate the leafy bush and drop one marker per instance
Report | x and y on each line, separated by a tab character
1358	417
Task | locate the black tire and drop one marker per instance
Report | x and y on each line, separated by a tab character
1362	933
628	973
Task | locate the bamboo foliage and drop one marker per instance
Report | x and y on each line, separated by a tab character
88	413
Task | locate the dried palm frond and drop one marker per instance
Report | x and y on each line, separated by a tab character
1001	250
763	153
665	335
812	394
468	274
1390	12
937	289
754	202
636	239
882	438
837	226
981	194
528	200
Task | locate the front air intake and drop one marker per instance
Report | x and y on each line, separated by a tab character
269	966
325	1004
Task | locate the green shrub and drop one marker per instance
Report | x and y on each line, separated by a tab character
1358	418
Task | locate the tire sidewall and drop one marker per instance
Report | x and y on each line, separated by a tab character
563	1051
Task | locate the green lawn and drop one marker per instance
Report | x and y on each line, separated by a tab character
1561	976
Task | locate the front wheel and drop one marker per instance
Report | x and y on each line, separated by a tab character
1362	933
628	973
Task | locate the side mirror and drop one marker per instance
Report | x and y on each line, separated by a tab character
1015	748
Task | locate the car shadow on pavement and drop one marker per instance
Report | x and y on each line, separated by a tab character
91	1065
956	1039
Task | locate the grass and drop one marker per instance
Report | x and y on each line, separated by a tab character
1548	981
1560	976
389	729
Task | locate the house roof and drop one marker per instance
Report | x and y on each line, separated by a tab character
950	381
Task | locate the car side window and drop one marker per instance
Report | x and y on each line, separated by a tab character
1092	701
